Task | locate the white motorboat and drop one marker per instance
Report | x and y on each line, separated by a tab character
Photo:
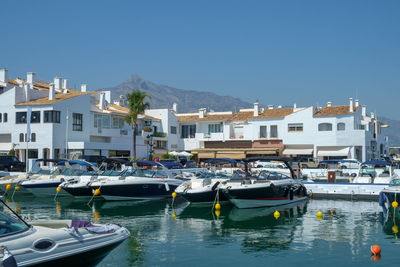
44	186
52	243
266	189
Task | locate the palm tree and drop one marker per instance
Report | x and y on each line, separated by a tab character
137	105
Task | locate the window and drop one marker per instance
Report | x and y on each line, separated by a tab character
214	128
35	117
0	117
188	131
263	131
21	137
295	127
52	116
20	117
323	127
33	137
274	131
76	122
5	117
106	121
341	126
117	123
173	130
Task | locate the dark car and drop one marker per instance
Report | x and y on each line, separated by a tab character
171	164
11	163
94	159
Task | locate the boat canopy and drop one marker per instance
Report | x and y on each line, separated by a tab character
376	163
73	162
221	161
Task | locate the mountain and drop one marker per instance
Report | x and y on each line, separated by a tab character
163	96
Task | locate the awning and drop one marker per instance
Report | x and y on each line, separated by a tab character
297	151
333	151
262	152
206	155
231	155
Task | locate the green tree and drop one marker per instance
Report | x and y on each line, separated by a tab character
137	105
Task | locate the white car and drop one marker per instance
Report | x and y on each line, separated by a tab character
349	164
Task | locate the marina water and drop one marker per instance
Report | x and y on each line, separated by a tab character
180	235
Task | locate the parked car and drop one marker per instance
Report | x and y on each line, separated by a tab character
11	163
171	164
269	164
191	164
349	164
306	163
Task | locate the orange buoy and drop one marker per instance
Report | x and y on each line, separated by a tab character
375	250
8	187
97	192
58	189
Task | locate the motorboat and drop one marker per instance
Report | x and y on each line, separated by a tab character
52	243
151	182
266	188
389	195
203	190
44	186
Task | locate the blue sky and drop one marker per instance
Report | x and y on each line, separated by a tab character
279	52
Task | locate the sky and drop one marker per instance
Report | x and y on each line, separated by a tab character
278	52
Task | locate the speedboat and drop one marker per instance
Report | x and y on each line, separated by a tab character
204	189
389	195
265	189
52	243
44	186
138	184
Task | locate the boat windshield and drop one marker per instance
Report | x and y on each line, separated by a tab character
395	182
9	222
266	175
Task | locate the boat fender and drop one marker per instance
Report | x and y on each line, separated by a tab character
215	186
166	187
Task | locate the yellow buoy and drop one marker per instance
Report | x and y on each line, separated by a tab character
217	213
8	187
17	208
96	214
320	215
395	229
8	201
173	215
97	192
17	188
58	189
277	214
395	204
174	194
217	206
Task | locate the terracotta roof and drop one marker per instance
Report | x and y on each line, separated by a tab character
58	98
267	114
208	117
13	82
118	109
41	86
334	111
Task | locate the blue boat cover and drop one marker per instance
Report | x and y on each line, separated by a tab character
72	162
376	163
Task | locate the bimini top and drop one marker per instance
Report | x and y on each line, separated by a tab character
73	162
268	158
376	163
221	161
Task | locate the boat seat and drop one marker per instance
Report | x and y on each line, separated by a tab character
55	224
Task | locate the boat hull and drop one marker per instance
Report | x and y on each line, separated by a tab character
206	196
265	194
48	189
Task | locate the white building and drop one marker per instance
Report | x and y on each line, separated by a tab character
65	119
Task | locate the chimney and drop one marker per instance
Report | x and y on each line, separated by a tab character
57	83
27	92
329	104
256	109
175	107
83	87
3	76
52	95
280	106
30	78
351	105
357	104
294	106
372	115
270	106
364	111
65	84
201	113
102	101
